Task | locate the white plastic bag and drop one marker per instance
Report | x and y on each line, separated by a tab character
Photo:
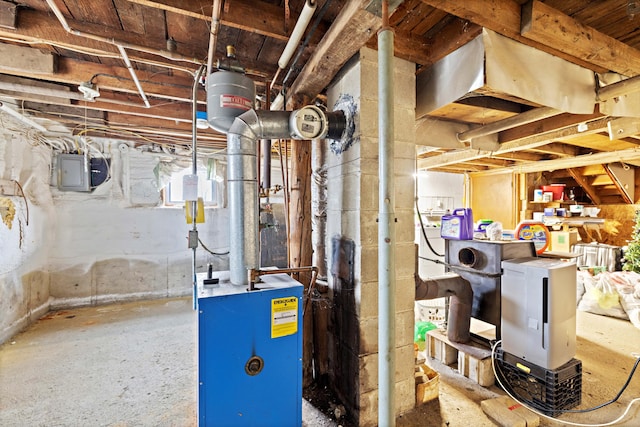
601	297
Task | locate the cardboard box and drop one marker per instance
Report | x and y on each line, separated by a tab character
563	241
427	384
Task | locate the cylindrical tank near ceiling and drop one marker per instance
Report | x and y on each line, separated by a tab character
229	94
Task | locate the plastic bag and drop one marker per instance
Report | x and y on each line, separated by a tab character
601	297
627	284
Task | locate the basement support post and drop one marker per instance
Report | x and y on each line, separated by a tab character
386	227
300	250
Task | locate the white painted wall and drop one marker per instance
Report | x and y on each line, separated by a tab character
115	243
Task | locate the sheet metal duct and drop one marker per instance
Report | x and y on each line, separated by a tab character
494	63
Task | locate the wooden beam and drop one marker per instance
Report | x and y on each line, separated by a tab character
546	25
7	14
350	31
157	85
556	149
546	125
585	184
240	14
503	17
20	58
619	186
519	156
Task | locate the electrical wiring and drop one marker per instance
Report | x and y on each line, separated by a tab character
424	233
210	251
537	411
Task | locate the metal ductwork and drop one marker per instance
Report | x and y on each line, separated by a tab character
459	289
309	122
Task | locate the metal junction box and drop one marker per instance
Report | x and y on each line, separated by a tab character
250	353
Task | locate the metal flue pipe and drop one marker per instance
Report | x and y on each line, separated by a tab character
242	150
386	227
243	186
461	302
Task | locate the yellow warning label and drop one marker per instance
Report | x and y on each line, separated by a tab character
284	316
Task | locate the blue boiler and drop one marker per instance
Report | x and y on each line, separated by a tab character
250	353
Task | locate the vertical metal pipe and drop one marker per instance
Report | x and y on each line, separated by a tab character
194	168
386	227
243	186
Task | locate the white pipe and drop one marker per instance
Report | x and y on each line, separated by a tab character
297	33
134	76
213	36
24	119
386	227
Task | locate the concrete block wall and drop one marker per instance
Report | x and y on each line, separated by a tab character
352	213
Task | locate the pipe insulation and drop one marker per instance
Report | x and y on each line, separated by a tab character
461	302
242	174
298	31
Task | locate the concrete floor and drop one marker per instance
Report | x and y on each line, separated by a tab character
134	364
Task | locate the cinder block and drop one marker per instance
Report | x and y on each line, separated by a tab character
369	263
507	413
368	375
405	394
368	335
368	223
405	256
405	86
368	410
405	296
369	118
405	361
368	299
404	232
404	127
369	76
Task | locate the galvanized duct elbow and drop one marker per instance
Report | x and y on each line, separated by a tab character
242	151
459	289
242	171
